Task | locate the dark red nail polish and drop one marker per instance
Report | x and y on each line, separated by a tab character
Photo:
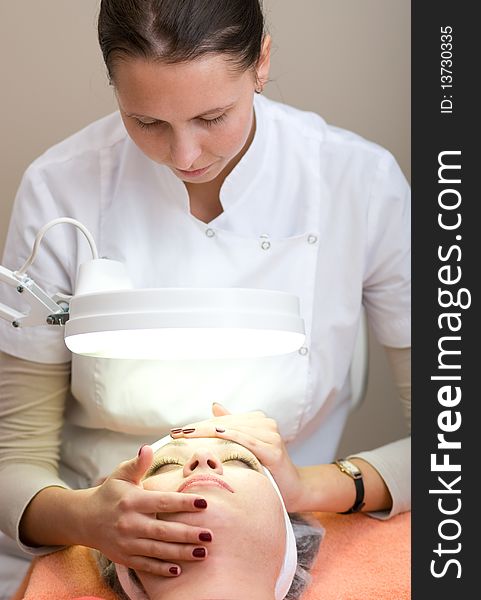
220	430
176	430
188	430
174	570
199	552
200	503
205	537
140	449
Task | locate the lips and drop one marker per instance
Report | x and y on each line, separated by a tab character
195	172
207	480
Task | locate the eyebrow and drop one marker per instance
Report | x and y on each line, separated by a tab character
207	112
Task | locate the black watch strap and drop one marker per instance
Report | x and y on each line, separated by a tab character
352	471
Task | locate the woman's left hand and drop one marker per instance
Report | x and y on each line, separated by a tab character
259	434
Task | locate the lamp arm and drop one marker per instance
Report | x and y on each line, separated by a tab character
44	309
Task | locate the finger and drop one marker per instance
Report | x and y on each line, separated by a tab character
154	566
151	502
269	436
174	532
258	444
134	470
167	551
268	453
218	410
206	428
201	429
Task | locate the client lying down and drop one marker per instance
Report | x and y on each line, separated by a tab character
257	550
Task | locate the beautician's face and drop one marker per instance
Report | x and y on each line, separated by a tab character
244	514
195	117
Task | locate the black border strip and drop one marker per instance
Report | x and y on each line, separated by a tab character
454	132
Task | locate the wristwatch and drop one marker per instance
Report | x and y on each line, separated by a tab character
350	469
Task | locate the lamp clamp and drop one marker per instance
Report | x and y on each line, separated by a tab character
43	308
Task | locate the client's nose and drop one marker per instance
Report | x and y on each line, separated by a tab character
203	460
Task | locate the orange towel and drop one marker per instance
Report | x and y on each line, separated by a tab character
360	558
69	574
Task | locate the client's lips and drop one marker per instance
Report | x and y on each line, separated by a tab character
205	480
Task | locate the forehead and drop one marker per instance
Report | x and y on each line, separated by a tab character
174	91
186	445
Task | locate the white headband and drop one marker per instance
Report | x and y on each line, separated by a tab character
289	566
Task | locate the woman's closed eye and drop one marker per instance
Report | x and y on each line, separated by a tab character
162	462
214	121
167	463
147	124
151	124
242	459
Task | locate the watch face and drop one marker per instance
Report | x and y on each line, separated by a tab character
350	468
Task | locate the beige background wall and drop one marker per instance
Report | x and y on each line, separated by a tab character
348	60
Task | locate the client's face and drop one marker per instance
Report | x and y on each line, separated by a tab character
244	514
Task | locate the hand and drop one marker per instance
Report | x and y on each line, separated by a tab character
123	521
259	434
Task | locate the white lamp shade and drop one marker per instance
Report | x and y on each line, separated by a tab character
184	323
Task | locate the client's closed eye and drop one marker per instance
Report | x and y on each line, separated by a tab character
242	459
162	462
167	463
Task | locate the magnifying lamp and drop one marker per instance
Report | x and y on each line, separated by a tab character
108	318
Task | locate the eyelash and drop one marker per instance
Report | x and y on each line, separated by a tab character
205	122
248	461
216	121
165	460
143	125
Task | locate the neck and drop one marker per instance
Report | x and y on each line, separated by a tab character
214	579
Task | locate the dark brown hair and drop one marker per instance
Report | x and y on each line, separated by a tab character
174	31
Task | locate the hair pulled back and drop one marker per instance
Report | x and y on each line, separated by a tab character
175	31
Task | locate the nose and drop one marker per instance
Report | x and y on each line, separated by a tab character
203	460
185	149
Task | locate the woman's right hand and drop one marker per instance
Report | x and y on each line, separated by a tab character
124	521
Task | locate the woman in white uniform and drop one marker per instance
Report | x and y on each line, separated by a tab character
198	180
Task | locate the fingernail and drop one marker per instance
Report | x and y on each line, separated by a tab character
140	449
176	430
205	537
200	503
188	430
174	570
199	552
220	430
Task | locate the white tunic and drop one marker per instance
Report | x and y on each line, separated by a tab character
335	210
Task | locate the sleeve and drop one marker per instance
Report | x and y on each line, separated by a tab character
387	273
31	417
393	461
